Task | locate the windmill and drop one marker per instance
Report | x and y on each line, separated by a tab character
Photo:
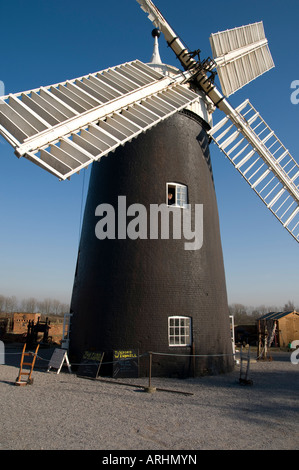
146	293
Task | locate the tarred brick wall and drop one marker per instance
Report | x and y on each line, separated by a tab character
125	290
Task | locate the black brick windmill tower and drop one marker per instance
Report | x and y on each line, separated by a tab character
150	273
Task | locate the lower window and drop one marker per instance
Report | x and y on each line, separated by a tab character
179	331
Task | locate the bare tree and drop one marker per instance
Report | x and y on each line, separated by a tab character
249	315
29	305
239	311
289	306
2	303
32	305
11	304
45	306
65	308
56	307
263	309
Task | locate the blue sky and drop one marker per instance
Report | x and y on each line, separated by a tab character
45	42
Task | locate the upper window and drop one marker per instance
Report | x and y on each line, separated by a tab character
177	195
179	331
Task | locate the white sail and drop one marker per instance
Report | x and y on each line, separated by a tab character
263	161
65	127
241	55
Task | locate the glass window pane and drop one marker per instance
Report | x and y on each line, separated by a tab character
179	331
177	194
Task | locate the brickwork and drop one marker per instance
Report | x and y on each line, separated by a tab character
56	330
20	321
125	290
20	325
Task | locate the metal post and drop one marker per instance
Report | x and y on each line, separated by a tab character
259	348
193	358
150	389
150	370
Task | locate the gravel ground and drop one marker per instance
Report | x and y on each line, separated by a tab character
65	412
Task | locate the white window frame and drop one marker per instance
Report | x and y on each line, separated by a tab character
179	331
179	189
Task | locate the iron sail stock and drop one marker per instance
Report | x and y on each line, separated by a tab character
152	294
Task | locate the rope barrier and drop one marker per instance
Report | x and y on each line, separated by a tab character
149	388
140	356
192	355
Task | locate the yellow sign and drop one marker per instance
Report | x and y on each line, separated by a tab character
125	354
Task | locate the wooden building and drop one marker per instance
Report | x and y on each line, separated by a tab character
280	328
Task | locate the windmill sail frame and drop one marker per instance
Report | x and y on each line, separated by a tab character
264	163
241	55
63	128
